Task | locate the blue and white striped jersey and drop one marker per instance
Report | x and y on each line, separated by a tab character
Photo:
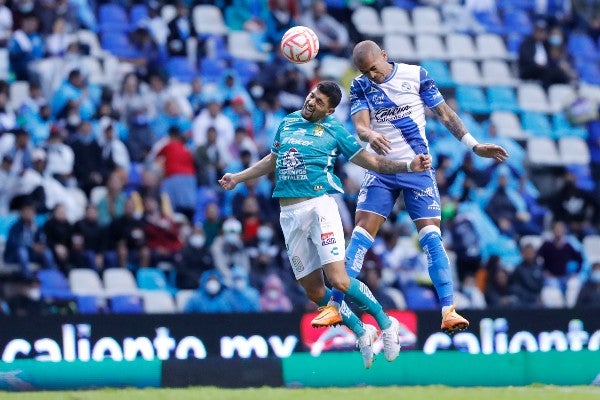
396	107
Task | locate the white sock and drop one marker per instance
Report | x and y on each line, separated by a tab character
445	310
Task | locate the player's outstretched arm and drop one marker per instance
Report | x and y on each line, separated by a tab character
453	123
420	163
265	166
362	123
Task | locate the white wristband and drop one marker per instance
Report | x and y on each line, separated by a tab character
408	166
469	141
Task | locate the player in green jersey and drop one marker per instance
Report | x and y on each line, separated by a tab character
303	154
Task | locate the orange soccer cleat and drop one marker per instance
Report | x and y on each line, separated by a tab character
453	322
328	316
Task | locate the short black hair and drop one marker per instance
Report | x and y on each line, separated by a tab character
332	91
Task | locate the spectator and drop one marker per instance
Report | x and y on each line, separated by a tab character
6	23
464	241
470	289
26	243
497	291
180	30
283	14
528	278
114	151
589	295
161	233
179	181
212	116
195	259
198	96
244	298
59	39
25	46
209	159
273	296
8	118
90	241
128	239
28	302
228	249
561	259
9	180
169	118
87	168
112	205
212	296
212	222
58	232
333	36
19	148
60	157
560	69
73	100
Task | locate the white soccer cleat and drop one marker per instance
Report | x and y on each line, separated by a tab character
391	340
365	345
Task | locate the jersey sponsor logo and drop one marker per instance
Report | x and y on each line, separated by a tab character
301	142
292	166
327	238
392	114
335	252
434	205
297	264
318	132
359	258
377	99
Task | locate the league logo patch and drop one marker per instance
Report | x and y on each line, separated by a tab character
319	131
327	238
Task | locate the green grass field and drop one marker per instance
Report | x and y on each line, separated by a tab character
533	392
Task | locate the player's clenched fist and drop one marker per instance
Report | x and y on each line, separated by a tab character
228	181
421	162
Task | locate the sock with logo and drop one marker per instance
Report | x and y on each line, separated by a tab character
439	265
360	242
349	319
359	293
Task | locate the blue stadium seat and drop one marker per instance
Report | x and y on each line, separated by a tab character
502	98
211	69
472	99
440	73
245	69
153	279
87	305
518	20
582	46
54	285
138	13
181	69
6	221
406	4
205	195
126	304
526	5
420	298
113	18
562	127
134	179
536	123
589	72
118	44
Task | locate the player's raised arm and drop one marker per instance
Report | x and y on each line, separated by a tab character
420	163
362	123
265	166
453	123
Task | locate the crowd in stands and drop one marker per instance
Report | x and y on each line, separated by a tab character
118	117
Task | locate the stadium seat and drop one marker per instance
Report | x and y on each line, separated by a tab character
211	69
367	22
181	69
573	150
562	127
518	21
88	304
93	70
427	20
589	91
208	19
54	285
85	282
246	69
465	72
137	14
420	298
591	246
438	70
4	63
430	47
582	46
542	151
552	297
126	304
561	95
502	98
536	123
119	281
589	72
182	297
19	91
396	20
90	39
241	45
491	46
117	43
168	12
399	48
472	99
397	296
6	222
460	46
113	18
532	97
158	302
497	72
153	279
334	67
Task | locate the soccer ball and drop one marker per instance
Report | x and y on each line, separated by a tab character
300	44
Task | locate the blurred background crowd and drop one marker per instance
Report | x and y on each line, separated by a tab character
117	118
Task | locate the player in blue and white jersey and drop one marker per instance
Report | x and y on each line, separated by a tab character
303	154
388	103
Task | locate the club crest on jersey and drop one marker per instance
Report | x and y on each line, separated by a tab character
405	86
318	132
327	238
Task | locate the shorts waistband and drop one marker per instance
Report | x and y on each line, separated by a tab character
306	203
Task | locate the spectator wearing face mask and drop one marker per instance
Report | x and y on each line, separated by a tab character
590	292
195	259
228	249
243	296
212	296
273	297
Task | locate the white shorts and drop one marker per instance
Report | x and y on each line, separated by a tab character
313	233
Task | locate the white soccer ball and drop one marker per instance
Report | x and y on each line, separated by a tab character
300	44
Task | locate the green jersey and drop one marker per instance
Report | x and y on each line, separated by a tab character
306	153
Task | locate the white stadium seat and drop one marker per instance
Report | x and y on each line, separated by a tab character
490	45
19	91
542	151
532	97
334	67
552	297
497	72
561	95
427	20
396	20
241	45
208	19
399	48
158	302
591	245
118	281
460	46
430	47
573	150
367	22
85	282
182	297
465	72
